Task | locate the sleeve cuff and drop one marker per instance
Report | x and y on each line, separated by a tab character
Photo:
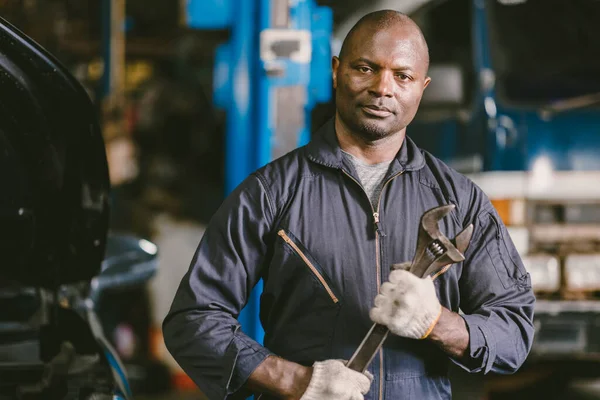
482	349
244	355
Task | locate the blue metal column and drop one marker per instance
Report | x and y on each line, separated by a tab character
271	58
240	120
233	82
294	71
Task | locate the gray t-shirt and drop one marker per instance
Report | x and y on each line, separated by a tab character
371	176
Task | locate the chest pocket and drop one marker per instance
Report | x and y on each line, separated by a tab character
302	302
316	271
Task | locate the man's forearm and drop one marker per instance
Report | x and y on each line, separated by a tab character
451	334
280	378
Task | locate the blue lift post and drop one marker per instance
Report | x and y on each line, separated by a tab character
268	77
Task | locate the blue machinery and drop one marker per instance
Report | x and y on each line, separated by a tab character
268	77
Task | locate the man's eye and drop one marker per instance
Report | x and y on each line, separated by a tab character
364	70
403	77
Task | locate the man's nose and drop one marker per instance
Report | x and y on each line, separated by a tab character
383	84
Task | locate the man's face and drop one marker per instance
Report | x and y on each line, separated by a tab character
380	80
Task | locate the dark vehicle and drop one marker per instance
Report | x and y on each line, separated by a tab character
58	260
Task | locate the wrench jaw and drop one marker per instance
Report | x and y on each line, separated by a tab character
431	243
431	219
429	229
452	253
434	250
462	240
455	253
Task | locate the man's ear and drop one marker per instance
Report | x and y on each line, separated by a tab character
335	63
427	80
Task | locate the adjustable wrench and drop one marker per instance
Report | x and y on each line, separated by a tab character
435	253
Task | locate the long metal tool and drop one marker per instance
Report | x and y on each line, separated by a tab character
435	253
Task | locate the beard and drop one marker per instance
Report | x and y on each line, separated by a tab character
371	130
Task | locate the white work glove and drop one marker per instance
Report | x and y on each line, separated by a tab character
406	304
331	380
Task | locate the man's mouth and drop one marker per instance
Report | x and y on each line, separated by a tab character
376	111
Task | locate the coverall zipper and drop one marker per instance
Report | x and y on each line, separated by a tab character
310	265
378	232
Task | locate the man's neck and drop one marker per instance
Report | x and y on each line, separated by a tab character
370	152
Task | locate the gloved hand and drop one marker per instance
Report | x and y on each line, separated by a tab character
406	304
331	380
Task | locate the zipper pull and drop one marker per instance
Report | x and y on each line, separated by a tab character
377	224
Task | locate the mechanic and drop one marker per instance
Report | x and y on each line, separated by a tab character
322	226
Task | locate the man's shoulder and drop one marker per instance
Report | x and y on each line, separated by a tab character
288	165
282	175
442	173
458	187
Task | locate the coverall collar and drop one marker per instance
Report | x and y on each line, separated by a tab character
325	149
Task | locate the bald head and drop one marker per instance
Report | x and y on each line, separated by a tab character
380	76
382	20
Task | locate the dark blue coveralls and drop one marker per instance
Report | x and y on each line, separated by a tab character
304	224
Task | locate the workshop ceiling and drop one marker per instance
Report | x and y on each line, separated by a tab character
155	24
347	12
